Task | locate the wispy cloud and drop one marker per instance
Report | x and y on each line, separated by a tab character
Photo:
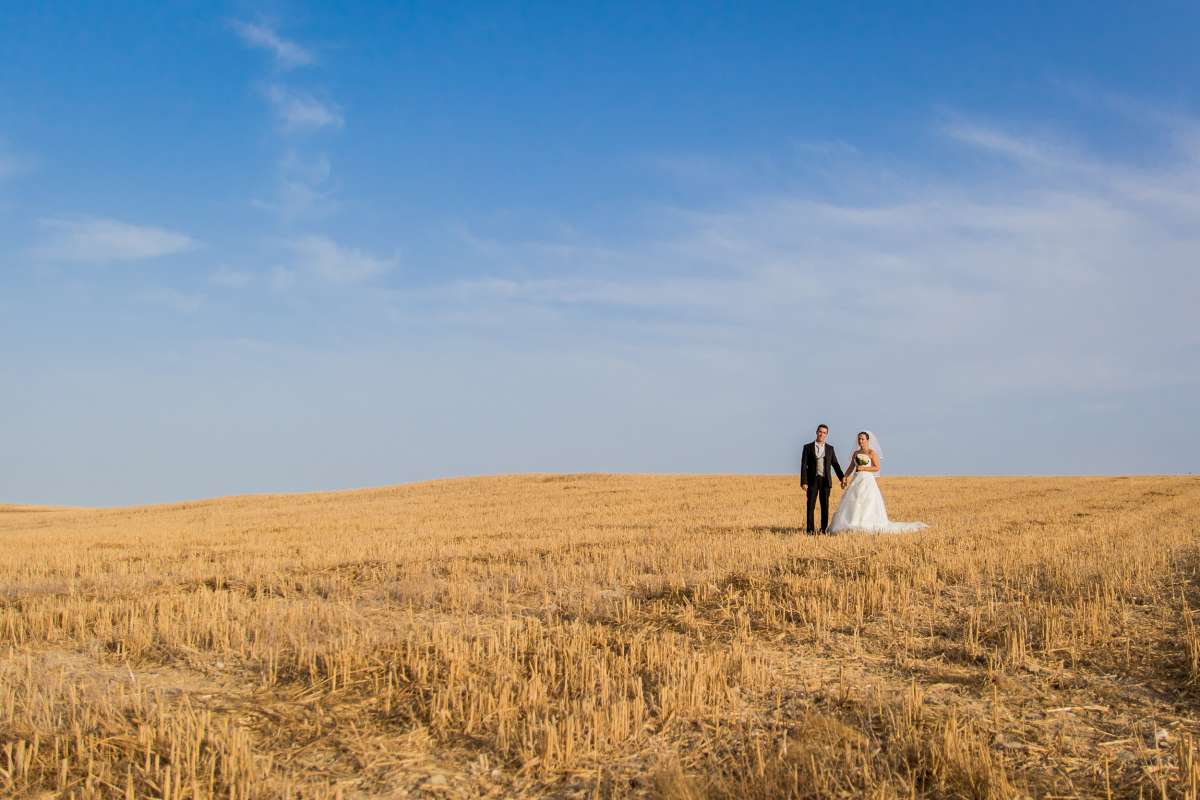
1004	144
328	261
98	240
298	110
981	283
9	165
288	54
11	162
171	299
230	278
304	188
970	314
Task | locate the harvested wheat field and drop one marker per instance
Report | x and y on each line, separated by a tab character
606	636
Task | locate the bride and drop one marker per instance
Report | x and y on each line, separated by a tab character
861	507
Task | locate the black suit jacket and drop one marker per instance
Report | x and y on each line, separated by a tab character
808	464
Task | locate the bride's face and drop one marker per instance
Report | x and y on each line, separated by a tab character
862	441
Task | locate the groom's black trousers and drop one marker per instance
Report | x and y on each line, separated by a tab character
819	488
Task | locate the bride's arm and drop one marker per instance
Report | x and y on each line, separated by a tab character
851	469
874	463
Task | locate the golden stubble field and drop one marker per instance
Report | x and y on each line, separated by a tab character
606	636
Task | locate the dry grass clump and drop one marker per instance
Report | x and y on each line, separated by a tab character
606	636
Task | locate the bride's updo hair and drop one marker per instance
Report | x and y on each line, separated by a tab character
864	433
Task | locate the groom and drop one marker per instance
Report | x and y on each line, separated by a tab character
815	476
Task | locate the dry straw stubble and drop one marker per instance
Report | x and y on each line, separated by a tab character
613	636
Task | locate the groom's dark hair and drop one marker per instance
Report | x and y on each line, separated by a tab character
823	425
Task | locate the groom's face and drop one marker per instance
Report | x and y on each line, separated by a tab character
822	433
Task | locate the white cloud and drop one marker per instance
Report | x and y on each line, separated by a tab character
323	258
1004	144
12	163
304	187
97	240
977	317
9	165
230	278
287	53
282	279
300	111
1066	272
172	299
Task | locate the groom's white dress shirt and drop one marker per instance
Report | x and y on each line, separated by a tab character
819	452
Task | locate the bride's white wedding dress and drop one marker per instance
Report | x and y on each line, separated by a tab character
861	509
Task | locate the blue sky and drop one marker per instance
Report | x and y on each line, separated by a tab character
281	247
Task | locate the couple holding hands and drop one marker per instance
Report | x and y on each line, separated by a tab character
861	507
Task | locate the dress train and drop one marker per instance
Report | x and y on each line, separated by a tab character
861	509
